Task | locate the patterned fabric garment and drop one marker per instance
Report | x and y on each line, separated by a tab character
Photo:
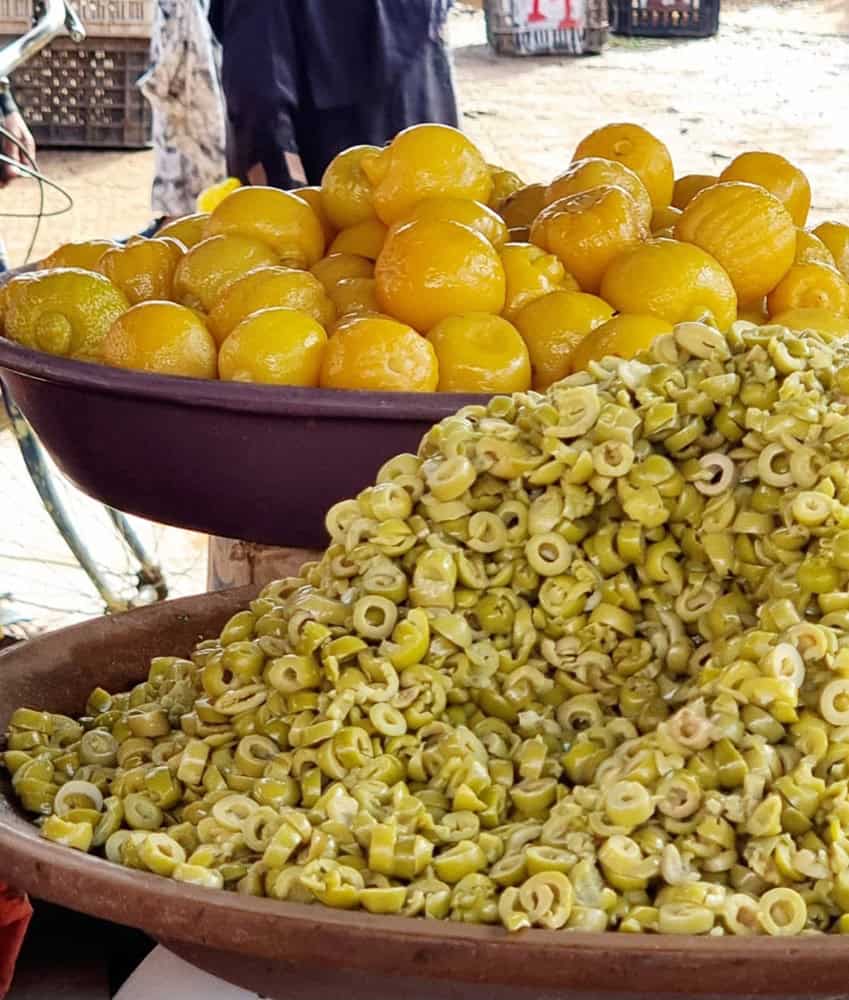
184	89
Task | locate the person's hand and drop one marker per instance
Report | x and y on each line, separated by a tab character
15	125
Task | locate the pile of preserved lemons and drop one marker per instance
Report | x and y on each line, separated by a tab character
582	662
420	267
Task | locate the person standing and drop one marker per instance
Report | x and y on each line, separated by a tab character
183	87
305	79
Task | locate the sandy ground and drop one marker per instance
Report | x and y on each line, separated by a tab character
775	77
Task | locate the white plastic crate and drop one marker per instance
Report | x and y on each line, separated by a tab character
546	27
15	16
102	18
116	18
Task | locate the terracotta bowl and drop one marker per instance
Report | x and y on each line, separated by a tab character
255	462
289	951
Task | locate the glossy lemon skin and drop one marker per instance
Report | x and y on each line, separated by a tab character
638	149
189	230
86	254
810	249
346	191
431	269
212	197
63	311
504	183
423	161
277	218
593	171
664	219
835	235
267	288
819	320
778	176
276	346
754	312
673	280
531	272
810	286
553	326
380	354
747	229
354	295
145	269
468	213
521	207
623	336
687	187
336	266
479	352
163	338
589	230
205	271
365	239
312	196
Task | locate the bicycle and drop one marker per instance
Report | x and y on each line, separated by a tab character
59	17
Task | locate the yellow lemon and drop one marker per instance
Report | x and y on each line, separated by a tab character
267	288
638	149
365	239
835	235
164	338
336	266
672	280
553	326
277	346
521	208
596	172
346	190
280	219
755	312
810	249
623	336
380	354
312	196
531	272
205	271
479	352
504	183
747	229
664	218
588	231
778	176
64	311
189	230
145	269
430	269
810	286
468	213
421	162
209	199
354	295
86	254
687	187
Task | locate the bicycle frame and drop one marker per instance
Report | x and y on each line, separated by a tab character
59	16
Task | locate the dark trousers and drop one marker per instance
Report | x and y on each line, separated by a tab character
425	93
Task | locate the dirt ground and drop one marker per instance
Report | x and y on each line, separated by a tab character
775	77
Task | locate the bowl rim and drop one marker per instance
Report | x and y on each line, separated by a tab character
297	933
254	398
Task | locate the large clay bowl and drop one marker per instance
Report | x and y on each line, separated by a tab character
294	952
256	462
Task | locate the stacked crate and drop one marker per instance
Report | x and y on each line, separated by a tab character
85	95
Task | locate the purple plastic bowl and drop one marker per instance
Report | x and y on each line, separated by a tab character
255	462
